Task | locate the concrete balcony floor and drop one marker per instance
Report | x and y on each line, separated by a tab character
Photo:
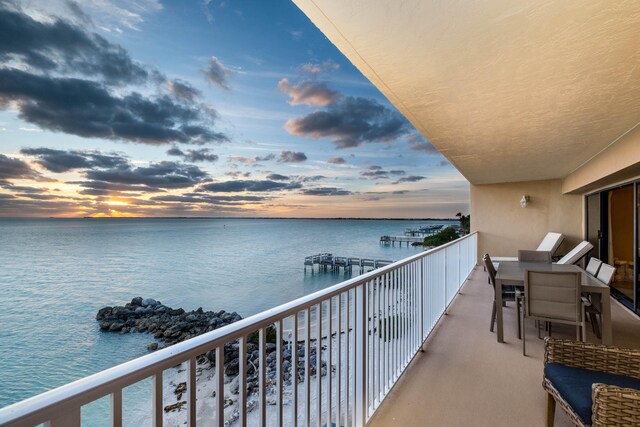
466	378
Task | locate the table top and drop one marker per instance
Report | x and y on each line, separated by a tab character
513	272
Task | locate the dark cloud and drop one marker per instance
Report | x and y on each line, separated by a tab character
88	109
292	157
21	188
200	155
183	90
337	160
60	46
106	188
425	147
412	178
308	93
236	174
248	185
312	178
277	177
326	191
64	160
11	168
217	73
397	172
158	175
209	199
351	121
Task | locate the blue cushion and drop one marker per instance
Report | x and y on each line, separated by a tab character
574	385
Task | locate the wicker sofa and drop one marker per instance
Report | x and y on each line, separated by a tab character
594	384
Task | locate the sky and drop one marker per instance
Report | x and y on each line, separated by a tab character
200	108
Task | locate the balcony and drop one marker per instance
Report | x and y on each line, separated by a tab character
465	377
371	330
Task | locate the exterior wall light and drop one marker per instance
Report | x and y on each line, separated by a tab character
524	202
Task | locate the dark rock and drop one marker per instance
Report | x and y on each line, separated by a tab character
136	301
153	346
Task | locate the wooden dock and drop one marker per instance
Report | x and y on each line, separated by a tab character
326	261
423	231
392	240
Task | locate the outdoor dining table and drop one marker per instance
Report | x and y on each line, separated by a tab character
513	272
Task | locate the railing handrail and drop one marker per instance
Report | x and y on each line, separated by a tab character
95	386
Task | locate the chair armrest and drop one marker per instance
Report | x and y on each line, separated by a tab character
613	406
596	357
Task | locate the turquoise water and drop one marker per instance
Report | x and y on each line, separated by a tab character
55	274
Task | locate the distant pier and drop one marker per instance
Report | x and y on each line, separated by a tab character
423	231
392	240
326	261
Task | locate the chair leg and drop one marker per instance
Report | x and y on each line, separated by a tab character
493	316
518	308
596	325
524	350
551	410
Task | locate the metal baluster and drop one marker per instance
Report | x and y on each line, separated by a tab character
294	370
116	408
242	379
262	376
191	391
319	365
330	361
339	361
279	374
157	400
219	419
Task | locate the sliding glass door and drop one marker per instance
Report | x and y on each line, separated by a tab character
613	227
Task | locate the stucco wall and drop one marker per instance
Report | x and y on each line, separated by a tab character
504	226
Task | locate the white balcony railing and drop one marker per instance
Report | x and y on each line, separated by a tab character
366	330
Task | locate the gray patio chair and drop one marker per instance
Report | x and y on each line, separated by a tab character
552	297
592	302
509	293
593	266
576	254
534	256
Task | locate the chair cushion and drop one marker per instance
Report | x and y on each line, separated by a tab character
574	385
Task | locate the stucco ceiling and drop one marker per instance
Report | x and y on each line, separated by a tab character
506	90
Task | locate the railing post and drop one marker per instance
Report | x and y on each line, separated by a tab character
421	286
444	252
67	418
360	374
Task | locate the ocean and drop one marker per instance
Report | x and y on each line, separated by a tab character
56	273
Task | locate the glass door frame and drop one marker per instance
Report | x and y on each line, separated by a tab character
634	303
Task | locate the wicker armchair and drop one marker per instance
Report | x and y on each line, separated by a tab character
611	405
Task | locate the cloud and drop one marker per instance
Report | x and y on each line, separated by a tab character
318	68
88	109
312	178
60	46
292	157
337	160
425	147
217	73
277	177
412	178
200	155
182	90
59	161
11	168
103	188
210	199
248	185
158	175
351	121
308	93
252	160
326	191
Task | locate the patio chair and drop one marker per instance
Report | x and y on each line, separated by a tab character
595	385
593	266
576	254
550	243
534	256
592	302
552	297
509	293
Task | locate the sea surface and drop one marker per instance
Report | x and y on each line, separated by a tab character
56	273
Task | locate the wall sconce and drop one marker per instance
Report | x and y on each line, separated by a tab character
524	202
